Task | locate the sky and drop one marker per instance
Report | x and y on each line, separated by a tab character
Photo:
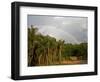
70	29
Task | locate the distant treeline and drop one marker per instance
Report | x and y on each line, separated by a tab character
46	50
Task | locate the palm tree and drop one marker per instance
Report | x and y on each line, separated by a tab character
60	47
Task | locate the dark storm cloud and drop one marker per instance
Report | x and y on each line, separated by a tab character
70	29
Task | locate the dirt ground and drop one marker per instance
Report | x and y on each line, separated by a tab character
70	62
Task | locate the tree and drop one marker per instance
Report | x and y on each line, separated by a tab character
46	50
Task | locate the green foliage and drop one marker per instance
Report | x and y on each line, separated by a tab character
46	50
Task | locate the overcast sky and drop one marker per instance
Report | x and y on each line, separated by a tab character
71	29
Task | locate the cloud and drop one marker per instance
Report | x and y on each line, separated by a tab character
70	29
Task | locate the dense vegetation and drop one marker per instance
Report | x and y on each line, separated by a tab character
46	50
